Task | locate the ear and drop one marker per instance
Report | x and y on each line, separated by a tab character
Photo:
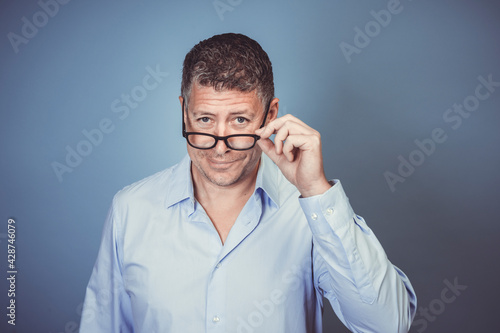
181	100
273	110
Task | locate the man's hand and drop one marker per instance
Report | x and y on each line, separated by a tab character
297	152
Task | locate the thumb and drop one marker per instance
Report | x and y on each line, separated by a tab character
267	147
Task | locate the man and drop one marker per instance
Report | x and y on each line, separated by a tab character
245	234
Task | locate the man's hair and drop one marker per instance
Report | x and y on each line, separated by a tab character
229	62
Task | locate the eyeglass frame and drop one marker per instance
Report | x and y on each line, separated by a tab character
223	138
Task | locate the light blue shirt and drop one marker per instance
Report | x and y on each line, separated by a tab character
162	267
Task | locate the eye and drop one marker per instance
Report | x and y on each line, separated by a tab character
204	119
241	120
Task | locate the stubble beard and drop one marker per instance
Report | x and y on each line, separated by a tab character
223	180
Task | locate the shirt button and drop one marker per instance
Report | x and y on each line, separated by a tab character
314	216
329	211
215	319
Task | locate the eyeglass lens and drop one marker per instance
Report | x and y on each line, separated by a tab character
234	142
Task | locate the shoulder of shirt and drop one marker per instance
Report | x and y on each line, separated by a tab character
150	188
276	184
287	191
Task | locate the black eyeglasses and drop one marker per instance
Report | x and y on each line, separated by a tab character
208	141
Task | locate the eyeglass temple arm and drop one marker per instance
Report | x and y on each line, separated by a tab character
183	123
265	115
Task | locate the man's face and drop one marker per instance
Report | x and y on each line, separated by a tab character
223	113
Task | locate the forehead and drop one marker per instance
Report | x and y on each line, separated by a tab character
209	100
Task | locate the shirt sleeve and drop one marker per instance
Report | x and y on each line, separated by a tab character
351	269
107	305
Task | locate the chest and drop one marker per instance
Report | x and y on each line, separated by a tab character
180	269
223	221
223	215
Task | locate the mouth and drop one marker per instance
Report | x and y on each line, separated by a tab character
221	164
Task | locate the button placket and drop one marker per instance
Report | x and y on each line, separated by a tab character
216	295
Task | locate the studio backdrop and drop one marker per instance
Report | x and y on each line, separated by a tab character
406	96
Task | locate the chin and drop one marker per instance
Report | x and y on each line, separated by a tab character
223	181
221	177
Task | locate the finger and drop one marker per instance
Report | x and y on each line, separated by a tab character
278	123
294	126
279	139
289	128
289	117
266	131
267	147
293	143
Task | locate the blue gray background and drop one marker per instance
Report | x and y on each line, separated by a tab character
440	224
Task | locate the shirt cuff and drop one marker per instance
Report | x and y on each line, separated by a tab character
329	211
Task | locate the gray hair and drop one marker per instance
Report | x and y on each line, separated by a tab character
229	62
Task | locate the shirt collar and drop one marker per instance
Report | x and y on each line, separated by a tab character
181	184
268	179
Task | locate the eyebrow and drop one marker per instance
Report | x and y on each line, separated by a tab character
247	113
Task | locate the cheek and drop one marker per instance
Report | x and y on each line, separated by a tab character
253	157
194	154
256	152
200	155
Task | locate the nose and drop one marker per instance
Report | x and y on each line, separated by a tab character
220	147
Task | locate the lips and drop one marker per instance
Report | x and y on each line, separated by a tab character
221	164
216	162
